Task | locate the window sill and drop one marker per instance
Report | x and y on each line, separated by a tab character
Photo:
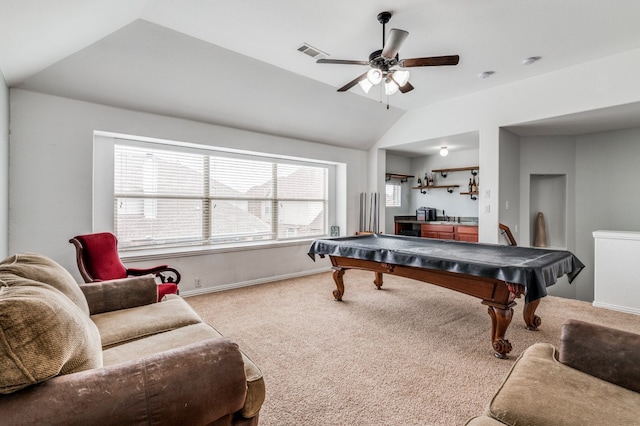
169	252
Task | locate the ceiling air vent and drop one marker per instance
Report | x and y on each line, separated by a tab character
312	51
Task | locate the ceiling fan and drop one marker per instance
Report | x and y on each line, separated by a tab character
382	63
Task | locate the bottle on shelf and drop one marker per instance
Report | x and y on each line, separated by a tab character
470	185
419	182
474	186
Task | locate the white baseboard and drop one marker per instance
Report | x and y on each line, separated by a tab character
249	283
625	309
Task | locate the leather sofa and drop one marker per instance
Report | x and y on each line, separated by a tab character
593	379
108	353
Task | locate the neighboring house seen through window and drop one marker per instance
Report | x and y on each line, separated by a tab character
171	196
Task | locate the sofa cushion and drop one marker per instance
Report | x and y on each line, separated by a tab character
539	390
150	345
584	345
42	269
123	293
42	334
125	325
185	336
483	421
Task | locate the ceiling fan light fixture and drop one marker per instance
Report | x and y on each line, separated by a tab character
384	60
444	151
365	85
401	77
374	76
390	87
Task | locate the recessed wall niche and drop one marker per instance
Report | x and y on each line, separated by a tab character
548	195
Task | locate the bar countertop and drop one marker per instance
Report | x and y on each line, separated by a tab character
463	221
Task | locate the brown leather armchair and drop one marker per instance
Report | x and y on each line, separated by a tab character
108	353
206	379
592	379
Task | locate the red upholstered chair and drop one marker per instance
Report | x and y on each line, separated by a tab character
98	260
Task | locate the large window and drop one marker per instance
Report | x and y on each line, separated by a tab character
173	196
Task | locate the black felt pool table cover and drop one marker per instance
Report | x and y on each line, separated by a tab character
535	268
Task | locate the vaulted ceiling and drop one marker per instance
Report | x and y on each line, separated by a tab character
236	63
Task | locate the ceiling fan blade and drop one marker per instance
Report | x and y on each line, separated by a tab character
406	88
352	83
341	61
393	43
433	61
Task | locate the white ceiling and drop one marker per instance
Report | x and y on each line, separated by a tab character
236	62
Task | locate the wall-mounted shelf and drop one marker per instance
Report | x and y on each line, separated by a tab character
472	194
423	189
444	172
403	178
474	172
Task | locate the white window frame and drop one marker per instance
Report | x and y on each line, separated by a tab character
103	188
397	190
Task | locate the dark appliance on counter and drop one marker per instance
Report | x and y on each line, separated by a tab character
426	213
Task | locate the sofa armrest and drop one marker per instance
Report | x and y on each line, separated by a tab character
195	385
113	295
607	353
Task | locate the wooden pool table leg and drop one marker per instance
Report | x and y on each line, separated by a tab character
338	273
378	280
500	320
530	317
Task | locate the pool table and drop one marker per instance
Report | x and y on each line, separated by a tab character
497	274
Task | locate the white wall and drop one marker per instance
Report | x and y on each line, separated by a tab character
51	184
617	283
377	162
597	84
594	85
401	165
4	168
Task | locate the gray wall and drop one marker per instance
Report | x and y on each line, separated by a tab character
607	183
453	204
402	165
550	155
602	178
546	155
4	168
51	170
509	200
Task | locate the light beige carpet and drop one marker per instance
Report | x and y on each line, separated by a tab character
410	354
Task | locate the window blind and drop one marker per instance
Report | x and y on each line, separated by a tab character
172	197
393	195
